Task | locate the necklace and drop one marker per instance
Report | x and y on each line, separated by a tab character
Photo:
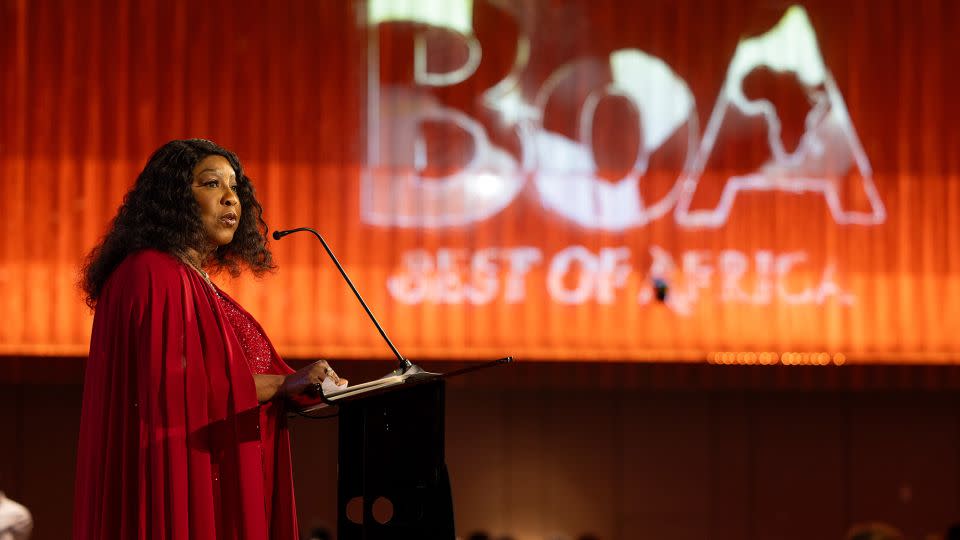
203	274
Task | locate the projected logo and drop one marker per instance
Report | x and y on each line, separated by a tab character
828	160
430	164
567	174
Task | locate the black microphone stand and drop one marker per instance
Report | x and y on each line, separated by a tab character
404	366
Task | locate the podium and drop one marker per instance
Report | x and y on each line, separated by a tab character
392	464
392	480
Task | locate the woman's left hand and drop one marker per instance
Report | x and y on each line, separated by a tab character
306	381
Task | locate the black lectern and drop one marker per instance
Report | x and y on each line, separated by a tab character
392	457
391	460
392	481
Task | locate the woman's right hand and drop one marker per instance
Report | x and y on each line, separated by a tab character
306	380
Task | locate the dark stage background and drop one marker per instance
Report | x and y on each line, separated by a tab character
625	451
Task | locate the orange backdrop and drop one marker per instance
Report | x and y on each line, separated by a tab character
515	179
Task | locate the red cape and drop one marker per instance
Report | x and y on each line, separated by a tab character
173	443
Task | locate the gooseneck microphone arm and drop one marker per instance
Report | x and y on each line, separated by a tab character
404	363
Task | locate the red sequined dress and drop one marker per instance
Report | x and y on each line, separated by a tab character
255	345
173	441
262	359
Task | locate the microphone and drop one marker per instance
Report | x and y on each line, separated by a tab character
405	365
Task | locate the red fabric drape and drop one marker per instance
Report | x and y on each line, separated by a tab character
90	89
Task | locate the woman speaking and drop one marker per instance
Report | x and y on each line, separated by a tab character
183	431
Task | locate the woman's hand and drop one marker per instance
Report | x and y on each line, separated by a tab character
306	381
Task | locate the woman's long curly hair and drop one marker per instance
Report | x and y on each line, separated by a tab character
160	212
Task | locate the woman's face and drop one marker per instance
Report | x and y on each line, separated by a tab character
215	189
